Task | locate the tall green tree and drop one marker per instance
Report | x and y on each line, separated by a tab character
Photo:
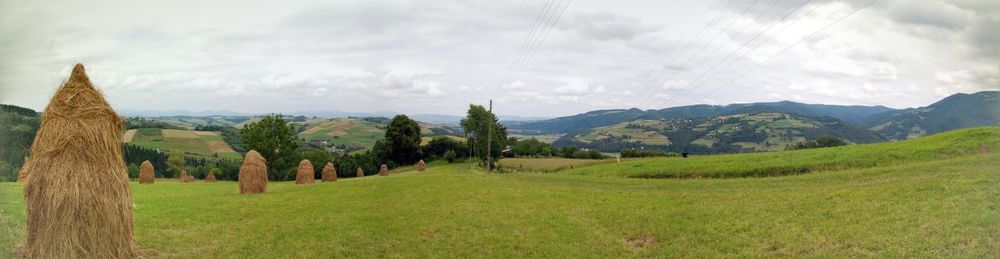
175	162
274	139
480	125
402	141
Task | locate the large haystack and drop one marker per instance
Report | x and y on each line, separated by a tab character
146	173
421	166
361	173
253	173
329	173
306	174
210	176
384	170
76	187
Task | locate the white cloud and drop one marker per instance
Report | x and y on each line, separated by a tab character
436	57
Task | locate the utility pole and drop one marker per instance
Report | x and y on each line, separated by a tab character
489	140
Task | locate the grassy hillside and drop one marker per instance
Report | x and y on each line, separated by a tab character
338	132
956	111
943	208
198	143
360	134
946	145
742	132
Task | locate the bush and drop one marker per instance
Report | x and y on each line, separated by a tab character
438	146
8	173
450	156
627	153
821	142
133	170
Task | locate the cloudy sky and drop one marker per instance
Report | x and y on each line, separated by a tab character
439	56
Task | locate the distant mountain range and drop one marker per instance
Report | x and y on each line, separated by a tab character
424	117
762	126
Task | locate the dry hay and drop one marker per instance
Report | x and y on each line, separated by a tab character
76	187
206	133
421	166
129	135
219	146
306	174
253	173
170	133
184	176
361	173
146	172
210	176
329	173
384	170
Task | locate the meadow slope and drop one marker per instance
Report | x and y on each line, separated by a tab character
948	206
946	145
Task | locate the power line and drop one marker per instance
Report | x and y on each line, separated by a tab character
659	84
690	43
527	41
532	50
788	48
688	61
697	81
716	50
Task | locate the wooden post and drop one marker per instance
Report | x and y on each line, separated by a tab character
489	140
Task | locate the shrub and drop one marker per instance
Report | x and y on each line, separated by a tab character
450	156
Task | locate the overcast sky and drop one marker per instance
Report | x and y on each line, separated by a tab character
439	56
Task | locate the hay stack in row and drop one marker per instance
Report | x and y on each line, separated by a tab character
306	174
185	178
421	166
383	171
210	177
76	187
361	173
146	173
253	173
329	173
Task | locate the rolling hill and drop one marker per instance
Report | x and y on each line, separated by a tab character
601	118
954	112
743	132
196	143
354	134
611	130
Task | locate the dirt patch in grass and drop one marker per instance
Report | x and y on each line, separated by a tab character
206	133
168	133
129	135
637	242
219	146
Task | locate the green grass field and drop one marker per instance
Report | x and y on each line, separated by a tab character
941	146
352	132
547	164
193	143
931	197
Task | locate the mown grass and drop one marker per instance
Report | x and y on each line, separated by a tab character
942	206
945	208
547	164
946	145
